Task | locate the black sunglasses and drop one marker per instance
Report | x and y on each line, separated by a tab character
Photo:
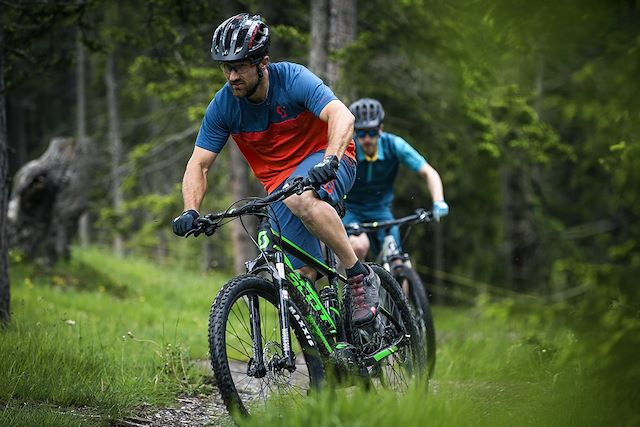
371	132
239	67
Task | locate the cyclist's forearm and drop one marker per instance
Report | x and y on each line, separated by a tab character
340	128
434	183
194	186
194	182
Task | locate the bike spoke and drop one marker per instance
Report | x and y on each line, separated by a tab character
241	341
253	384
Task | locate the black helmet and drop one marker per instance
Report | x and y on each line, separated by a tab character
368	112
240	37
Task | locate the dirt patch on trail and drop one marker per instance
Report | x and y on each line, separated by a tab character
189	412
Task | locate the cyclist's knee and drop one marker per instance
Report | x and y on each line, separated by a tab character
303	205
360	245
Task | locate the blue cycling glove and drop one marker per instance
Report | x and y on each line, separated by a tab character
440	209
185	222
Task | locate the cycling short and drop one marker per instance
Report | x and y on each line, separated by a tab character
375	238
290	226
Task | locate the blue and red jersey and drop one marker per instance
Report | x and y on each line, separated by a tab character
276	134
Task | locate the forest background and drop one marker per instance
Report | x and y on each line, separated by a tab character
529	111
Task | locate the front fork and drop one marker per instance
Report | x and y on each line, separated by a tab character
287	360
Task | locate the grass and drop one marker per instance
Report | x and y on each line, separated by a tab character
104	333
45	416
490	372
97	337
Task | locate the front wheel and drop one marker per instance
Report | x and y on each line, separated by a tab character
233	340
411	283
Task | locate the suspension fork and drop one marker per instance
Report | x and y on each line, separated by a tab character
287	361
258	370
265	241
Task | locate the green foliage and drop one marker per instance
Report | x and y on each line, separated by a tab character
16	415
515	360
543	95
502	363
77	339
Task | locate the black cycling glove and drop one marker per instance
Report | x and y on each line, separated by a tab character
185	222
324	171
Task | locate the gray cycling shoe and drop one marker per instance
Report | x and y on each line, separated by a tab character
364	304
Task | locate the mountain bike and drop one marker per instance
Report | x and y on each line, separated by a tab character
399	264
255	355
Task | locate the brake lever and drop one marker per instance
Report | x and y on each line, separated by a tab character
210	230
424	216
194	231
203	225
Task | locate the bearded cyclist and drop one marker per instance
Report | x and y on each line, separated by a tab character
286	123
379	155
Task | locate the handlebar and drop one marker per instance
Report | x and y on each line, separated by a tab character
420	215
208	224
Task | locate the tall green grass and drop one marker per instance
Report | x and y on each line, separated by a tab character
493	369
105	333
109	334
20	415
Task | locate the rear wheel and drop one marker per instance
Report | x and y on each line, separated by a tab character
244	384
419	303
391	343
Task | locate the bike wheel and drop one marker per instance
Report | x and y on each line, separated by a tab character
242	385
418	301
392	340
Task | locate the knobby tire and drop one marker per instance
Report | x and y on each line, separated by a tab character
416	366
227	318
419	302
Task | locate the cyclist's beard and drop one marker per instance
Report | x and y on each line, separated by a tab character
253	89
247	89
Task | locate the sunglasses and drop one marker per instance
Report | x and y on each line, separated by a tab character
238	67
371	132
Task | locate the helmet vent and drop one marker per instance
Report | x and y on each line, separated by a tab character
227	41
241	36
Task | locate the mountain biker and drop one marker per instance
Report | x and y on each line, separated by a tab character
286	123
379	156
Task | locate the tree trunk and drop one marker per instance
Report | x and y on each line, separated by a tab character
5	309
520	235
342	31
319	26
81	134
506	224
115	145
243	248
44	207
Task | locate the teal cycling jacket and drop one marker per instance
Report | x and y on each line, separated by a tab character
373	187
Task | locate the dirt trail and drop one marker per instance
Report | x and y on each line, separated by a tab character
189	412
